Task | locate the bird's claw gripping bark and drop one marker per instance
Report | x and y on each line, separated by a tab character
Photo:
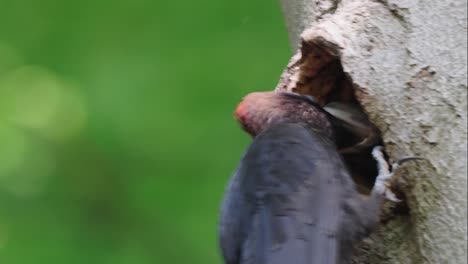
386	173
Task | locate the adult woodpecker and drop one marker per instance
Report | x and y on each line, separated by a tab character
292	199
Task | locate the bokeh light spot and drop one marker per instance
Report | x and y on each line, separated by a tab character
70	117
31	96
36	98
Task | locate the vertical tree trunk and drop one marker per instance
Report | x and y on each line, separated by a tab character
407	62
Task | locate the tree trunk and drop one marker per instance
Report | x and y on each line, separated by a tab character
407	63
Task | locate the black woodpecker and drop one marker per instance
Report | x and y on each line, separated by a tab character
292	199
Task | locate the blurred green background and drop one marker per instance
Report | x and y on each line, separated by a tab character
116	129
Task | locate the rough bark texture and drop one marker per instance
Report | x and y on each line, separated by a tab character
407	62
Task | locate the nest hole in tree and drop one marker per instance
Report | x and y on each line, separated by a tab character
317	71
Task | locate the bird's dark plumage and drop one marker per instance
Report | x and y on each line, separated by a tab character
292	200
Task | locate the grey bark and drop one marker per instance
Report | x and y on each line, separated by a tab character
407	61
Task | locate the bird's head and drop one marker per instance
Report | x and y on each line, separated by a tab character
260	110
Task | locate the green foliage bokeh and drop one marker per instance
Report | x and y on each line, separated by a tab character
116	129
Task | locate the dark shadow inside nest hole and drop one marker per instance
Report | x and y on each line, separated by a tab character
321	75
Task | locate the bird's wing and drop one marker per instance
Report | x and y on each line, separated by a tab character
286	202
